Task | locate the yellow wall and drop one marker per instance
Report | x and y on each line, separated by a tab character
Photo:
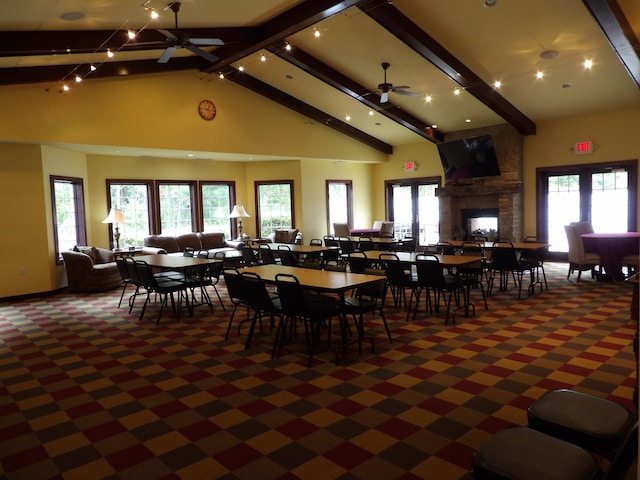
152	112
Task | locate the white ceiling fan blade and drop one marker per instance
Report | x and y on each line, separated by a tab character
168	34
207	42
384	97
166	55
206	55
405	92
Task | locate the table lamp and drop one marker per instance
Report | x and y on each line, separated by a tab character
115	217
239	212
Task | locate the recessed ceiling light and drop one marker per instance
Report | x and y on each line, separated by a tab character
549	54
72	16
490	3
567	85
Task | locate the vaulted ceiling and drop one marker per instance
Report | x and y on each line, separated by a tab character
323	58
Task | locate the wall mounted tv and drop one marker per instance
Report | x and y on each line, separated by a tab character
469	158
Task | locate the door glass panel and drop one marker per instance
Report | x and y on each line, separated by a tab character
563	207
428	215
609	201
402	210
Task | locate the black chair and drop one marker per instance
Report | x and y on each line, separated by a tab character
134	279
213	272
522	453
504	263
346	245
247	290
368	298
331	257
359	263
249	256
126	279
399	279
445	248
266	255
297	305
432	278
198	278
596	424
474	275
365	244
535	257
287	257
315	242
166	289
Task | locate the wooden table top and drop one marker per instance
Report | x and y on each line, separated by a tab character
490	245
447	260
322	280
299	248
174	262
373	239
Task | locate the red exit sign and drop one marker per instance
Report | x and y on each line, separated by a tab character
410	166
583	147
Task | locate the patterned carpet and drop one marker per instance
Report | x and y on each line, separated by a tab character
87	391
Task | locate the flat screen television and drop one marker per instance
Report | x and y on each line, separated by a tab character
469	158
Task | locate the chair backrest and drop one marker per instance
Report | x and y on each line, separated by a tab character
286	256
365	244
583	227
346	245
387	229
357	262
214	270
144	273
430	271
504	256
576	245
291	293
341	230
122	268
188	252
316	242
330	241
255	291
266	254
375	291
445	248
233	281
249	256
396	270
132	273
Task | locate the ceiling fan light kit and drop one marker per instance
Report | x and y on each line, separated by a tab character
385	87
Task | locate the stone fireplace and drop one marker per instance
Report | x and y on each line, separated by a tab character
500	195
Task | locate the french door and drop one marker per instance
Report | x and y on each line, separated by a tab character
414	208
603	194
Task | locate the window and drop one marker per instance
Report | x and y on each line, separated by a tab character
217	199
339	203
177	206
67	199
603	194
134	200
274	202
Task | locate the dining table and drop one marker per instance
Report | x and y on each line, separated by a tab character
487	245
321	281
612	247
175	262
300	249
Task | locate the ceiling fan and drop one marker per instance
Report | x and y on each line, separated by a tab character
385	88
178	39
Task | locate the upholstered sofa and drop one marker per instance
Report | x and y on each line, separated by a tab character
91	269
213	242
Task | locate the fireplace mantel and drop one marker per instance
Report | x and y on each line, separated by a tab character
477	188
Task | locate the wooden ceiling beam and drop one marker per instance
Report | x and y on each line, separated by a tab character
307	110
24	43
332	77
273	31
389	17
615	26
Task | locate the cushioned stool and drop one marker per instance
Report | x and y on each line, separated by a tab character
596	424
521	453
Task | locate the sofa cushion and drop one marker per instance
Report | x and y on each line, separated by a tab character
91	251
189	240
168	242
211	240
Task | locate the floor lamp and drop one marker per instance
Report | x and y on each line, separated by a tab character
115	217
239	212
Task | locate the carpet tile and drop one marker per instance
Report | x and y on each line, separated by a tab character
89	391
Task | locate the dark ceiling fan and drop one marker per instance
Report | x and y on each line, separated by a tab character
385	88
177	39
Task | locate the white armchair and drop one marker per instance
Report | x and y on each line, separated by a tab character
579	259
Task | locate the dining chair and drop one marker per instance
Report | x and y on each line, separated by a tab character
368	298
287	257
331	257
535	256
346	245
165	289
260	301
313	311
249	256
474	275
434	279
579	259
126	279
238	296
365	244
399	279
315	242
505	262
341	230
266	255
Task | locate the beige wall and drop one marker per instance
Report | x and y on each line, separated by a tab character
134	112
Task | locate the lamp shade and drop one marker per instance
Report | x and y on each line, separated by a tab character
238	212
115	216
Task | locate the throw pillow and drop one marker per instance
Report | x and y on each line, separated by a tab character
91	251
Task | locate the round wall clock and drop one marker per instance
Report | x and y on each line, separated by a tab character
207	109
